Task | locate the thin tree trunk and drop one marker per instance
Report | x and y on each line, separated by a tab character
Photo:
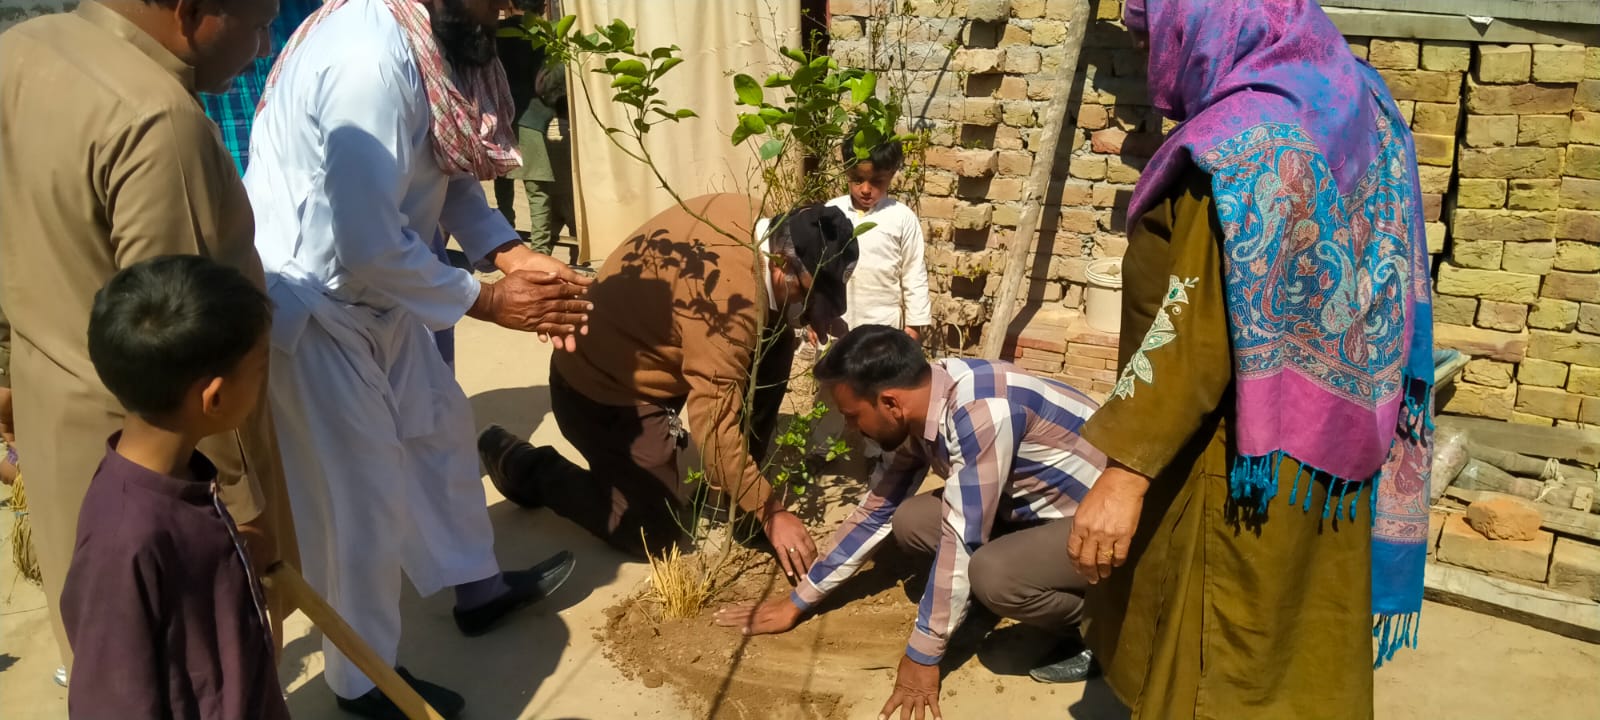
1015	274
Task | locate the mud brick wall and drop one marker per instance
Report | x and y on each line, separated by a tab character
1508	145
1518	287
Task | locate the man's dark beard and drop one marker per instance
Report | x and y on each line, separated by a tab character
464	43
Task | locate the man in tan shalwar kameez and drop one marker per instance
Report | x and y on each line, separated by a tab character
108	159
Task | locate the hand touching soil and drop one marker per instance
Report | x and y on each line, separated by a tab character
916	692
768	618
793	545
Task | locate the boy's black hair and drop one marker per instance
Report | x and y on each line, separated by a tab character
888	156
873	358
162	325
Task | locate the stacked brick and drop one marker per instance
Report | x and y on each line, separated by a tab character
1519	289
1508	147
977	76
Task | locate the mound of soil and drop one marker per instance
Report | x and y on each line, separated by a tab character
812	672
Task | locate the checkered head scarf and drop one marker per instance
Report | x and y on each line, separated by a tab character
472	110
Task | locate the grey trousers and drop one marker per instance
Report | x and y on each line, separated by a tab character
1022	573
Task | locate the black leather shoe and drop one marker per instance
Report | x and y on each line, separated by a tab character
1076	667
378	706
513	465
527	587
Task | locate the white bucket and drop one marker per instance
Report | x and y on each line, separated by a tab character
1102	300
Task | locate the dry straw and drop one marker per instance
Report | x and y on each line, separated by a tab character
22	553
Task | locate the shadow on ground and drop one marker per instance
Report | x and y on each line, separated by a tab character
500	672
520	410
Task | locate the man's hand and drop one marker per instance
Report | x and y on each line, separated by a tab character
1102	529
515	257
8	426
791	542
535	302
916	692
914	333
768	618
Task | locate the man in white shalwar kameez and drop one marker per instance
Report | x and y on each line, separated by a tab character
375	128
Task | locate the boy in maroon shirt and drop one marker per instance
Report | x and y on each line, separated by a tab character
164	616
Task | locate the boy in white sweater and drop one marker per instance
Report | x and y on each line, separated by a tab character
890	283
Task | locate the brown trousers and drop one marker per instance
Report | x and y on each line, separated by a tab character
1022	573
633	495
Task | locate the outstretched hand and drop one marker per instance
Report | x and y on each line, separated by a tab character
916	692
539	302
768	618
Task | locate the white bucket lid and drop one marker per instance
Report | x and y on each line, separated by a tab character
1105	272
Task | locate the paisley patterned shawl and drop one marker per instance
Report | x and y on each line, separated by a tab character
1327	274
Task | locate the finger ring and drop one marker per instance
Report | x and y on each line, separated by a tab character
791	550
1107	555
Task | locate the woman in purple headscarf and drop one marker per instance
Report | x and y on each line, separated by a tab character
1265	512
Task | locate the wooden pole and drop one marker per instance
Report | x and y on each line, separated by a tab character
1015	275
287	580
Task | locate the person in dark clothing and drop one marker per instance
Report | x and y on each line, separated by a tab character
159	587
539	95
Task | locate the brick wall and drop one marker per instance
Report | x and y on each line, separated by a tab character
1508	145
1518	286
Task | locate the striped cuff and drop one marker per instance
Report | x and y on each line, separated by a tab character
924	648
805	594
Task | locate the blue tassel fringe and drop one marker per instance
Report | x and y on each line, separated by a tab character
1394	632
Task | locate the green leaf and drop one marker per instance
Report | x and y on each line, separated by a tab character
776	80
565	24
863	144
819	62
611	64
668	64
629	67
625	81
771	149
684	113
864	87
795	55
748	91
863	228
770	115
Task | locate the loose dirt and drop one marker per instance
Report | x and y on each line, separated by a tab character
813	672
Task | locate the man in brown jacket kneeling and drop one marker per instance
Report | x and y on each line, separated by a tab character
686	312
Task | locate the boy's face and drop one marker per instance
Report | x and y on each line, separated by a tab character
226	401
868	186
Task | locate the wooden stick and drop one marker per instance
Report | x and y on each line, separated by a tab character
1054	125
287	580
